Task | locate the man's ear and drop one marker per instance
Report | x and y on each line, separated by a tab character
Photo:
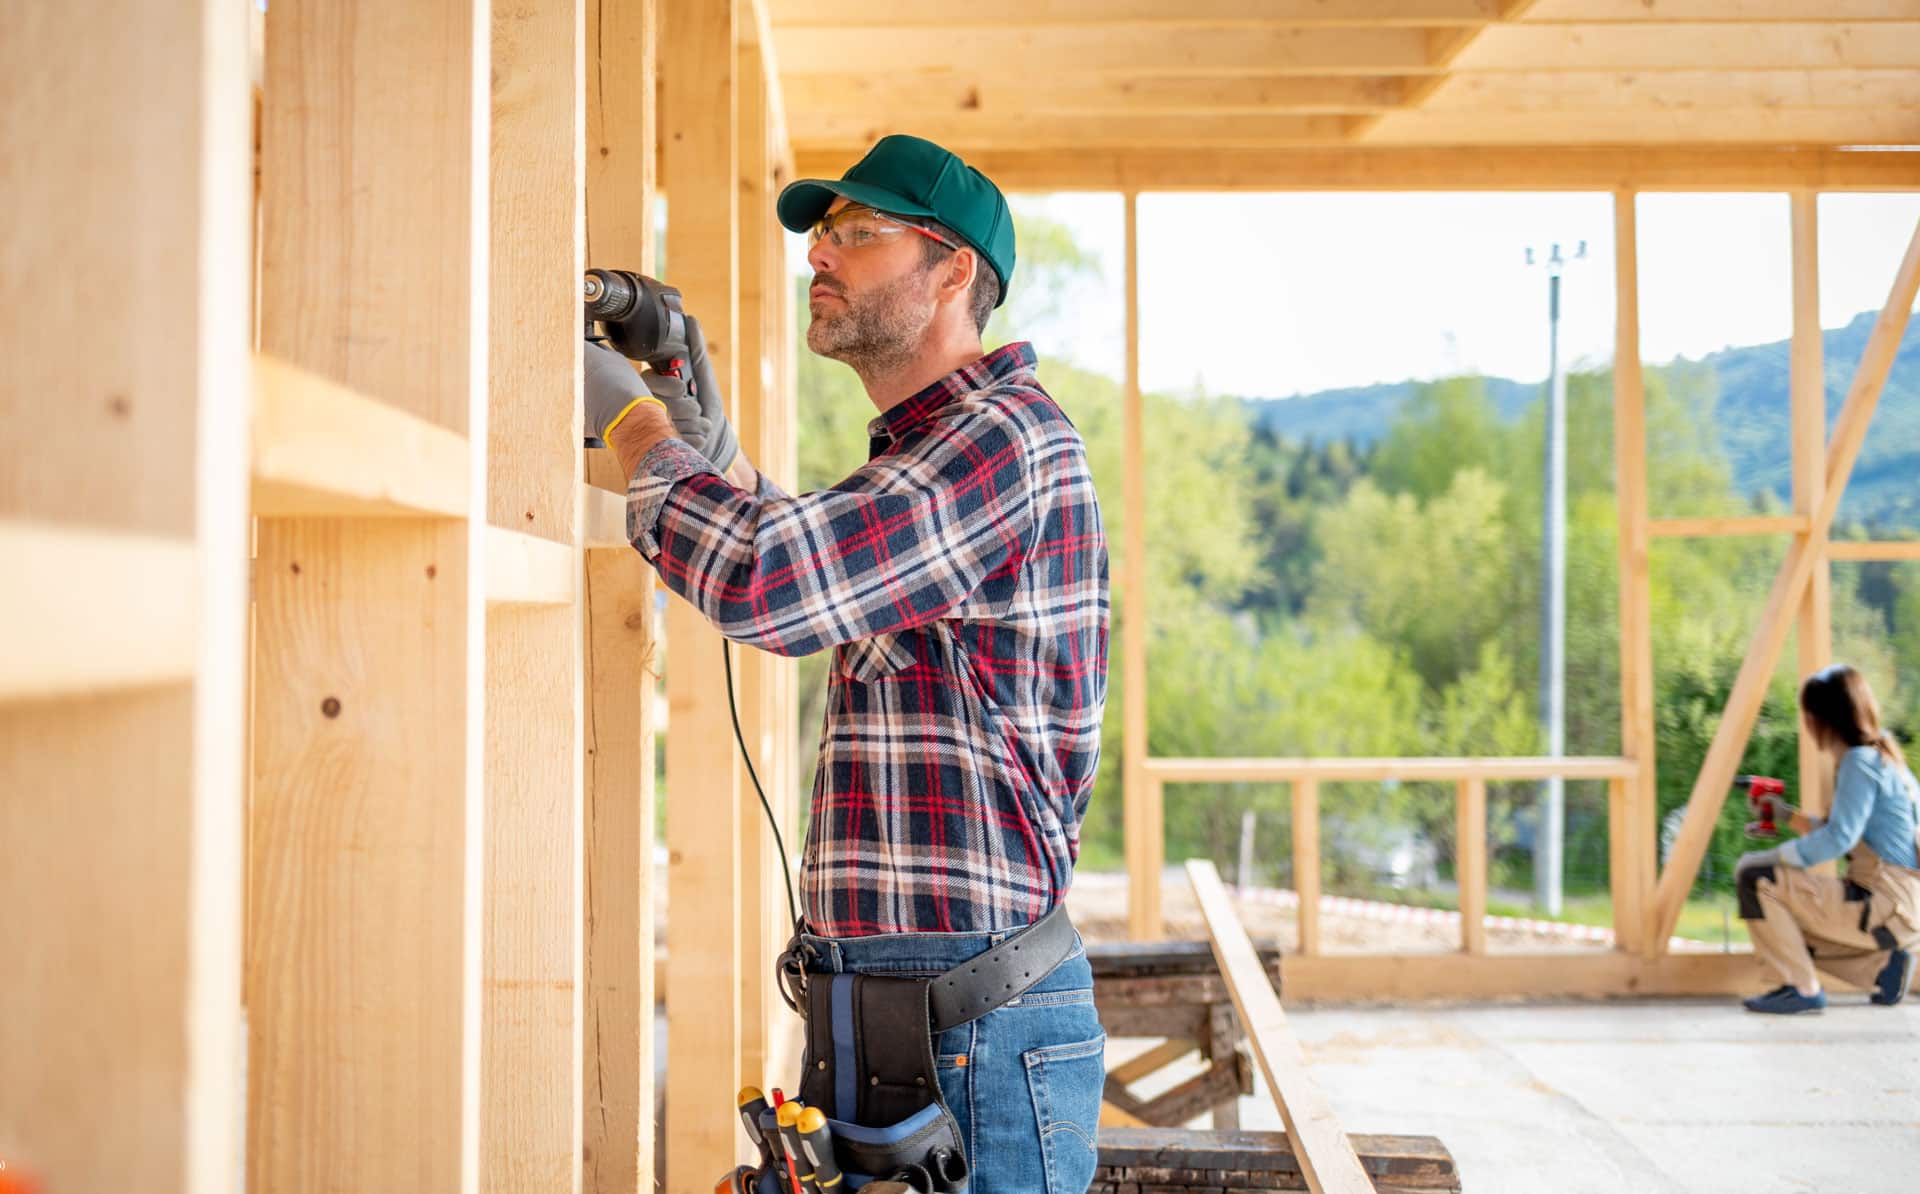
963	267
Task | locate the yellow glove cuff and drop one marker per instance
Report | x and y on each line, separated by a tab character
628	409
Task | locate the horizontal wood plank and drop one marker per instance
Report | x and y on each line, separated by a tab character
603	519
1808	45
1678	528
1759	126
1544	12
1053	51
1172	770
1599	974
965	133
1679	90
1099	15
987	94
1886	550
525	569
1430	168
320	448
90	611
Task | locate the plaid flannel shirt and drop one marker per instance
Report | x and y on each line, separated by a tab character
960	577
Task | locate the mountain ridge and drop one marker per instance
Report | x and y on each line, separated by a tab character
1750	417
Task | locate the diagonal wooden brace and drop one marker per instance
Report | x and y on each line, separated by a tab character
1789	585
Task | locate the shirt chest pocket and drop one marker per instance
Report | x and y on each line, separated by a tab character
872	659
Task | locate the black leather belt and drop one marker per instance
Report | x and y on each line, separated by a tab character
974	987
1002	974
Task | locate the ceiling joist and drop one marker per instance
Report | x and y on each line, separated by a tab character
1132	51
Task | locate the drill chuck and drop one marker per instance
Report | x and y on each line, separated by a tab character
643	318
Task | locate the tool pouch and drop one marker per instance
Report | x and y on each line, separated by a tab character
870	1068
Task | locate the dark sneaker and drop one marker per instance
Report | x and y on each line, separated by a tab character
1896	979
1785	1001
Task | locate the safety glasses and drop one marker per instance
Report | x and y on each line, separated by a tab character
854	227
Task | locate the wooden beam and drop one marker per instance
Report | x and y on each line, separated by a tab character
1638	12
1683	528
531	1130
975	131
1600	974
69	626
1144	862
1626	881
699	136
1810	45
1306	862
622	986
1326	1156
1470	862
1758	126
1631	822
1431	168
1152	1061
1679	90
364	938
1889	550
1339	770
126	410
869	96
320	447
1749	687
1100	16
1125	50
1808	409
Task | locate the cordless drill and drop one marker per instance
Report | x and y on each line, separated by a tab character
1758	788
644	321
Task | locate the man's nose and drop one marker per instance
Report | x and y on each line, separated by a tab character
821	256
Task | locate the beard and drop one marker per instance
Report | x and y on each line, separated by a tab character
875	330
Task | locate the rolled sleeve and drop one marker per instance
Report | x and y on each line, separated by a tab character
668	462
1854	792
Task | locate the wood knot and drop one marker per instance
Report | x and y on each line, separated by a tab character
433	570
330	706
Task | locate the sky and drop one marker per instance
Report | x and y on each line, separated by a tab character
1267	295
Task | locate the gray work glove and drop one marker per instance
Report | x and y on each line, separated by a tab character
1757	860
612	386
716	438
1772	808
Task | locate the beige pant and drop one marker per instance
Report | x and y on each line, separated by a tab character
1808	922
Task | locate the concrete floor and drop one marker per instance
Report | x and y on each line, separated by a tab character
1654	1097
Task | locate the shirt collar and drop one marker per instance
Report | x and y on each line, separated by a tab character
896	421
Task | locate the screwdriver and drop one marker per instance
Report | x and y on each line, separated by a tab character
816	1140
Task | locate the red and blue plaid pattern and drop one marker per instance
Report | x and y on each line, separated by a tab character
960	577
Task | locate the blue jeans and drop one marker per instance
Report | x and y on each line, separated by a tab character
1024	1080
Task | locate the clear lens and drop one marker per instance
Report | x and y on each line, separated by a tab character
852	227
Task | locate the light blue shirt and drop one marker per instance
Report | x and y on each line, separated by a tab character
1872	799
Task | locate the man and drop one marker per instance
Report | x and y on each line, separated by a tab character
960	577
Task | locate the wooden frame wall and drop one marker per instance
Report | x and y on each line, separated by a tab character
1646	900
123	611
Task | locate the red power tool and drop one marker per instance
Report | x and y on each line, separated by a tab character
1759	788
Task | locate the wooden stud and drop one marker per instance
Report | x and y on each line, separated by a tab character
1789	587
699	131
1306	862
1808	399
1139	794
764	927
1429	168
530	1126
621	987
1631	822
1470	862
1326	1157
364	941
120	926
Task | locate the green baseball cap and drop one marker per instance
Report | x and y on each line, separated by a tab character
908	176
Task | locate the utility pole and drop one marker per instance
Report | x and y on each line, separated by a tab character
1550	831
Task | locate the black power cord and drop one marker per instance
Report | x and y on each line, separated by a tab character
746	756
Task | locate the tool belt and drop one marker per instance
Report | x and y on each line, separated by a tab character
869	1056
